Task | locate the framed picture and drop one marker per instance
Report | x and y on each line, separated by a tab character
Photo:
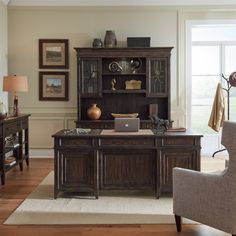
53	54
53	86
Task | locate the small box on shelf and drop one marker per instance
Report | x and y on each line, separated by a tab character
133	84
138	42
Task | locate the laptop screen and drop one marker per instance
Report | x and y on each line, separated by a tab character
127	124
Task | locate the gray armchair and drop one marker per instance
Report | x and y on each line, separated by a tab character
208	198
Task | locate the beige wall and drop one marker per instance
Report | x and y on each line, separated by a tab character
3	50
165	26
80	26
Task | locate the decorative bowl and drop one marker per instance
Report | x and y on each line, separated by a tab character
129	115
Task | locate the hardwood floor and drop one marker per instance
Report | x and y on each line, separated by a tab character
20	184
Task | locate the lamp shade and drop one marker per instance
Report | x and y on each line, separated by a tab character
17	83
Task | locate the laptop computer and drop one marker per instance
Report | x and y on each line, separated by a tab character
127	124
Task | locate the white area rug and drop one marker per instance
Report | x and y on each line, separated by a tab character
41	208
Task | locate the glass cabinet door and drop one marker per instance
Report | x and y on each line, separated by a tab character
90	77
157	82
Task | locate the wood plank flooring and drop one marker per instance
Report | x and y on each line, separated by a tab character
20	184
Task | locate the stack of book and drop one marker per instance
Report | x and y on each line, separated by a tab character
10	160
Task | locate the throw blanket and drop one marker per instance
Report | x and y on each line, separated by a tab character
218	110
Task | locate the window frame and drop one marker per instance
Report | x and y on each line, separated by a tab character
189	44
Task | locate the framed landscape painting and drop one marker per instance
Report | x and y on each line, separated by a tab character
53	86
53	54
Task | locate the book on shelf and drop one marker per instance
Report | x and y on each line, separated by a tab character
11	163
10	160
12	145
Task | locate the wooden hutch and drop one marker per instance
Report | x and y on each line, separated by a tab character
98	67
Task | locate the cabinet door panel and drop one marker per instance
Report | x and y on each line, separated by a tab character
90	77
128	169
157	82
175	158
76	170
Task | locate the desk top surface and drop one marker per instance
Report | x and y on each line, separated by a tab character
108	133
14	118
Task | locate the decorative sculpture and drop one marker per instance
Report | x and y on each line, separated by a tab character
161	124
113	82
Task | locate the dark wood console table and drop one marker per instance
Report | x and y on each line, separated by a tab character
100	161
14	137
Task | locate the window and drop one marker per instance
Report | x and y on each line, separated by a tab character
205	77
211	52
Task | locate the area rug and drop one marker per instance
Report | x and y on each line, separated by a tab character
41	208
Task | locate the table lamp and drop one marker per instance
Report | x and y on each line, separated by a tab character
16	83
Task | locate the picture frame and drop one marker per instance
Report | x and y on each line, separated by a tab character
53	53
53	86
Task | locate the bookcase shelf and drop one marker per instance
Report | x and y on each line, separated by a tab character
14	144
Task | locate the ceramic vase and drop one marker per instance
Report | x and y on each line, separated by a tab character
97	43
3	111
110	39
94	112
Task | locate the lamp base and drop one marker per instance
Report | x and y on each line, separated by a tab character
15	106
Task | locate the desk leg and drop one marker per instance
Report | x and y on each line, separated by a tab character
55	193
96	174
3	178
19	152
56	169
27	146
158	174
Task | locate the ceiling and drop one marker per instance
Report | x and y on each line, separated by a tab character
116	2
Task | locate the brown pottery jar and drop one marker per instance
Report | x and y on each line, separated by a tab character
94	112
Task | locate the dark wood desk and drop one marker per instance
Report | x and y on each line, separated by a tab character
98	161
14	137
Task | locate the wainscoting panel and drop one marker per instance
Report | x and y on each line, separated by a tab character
41	130
70	123
42	127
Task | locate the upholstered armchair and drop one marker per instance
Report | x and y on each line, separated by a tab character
209	198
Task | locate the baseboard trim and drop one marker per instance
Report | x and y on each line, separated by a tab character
41	153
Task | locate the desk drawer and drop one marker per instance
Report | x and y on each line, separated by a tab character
75	142
127	142
176	141
12	128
